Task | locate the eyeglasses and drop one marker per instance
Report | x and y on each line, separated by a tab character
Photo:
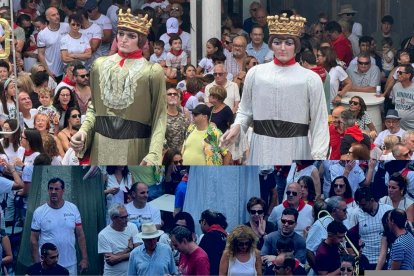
172	94
290	222
353	103
84	76
218	74
348	269
227	42
288	193
349	14
128	35
402	72
288	42
74	116
178	162
339	186
259	212
75	24
364	63
122	217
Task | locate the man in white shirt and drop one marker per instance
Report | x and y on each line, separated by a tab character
27	112
117	240
59	221
392	124
139	211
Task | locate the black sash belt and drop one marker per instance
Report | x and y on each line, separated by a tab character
280	129
117	128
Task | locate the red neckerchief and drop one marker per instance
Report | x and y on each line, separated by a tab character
355	132
67	80
320	71
28	152
176	53
288	63
349	200
216	227
134	55
180	31
300	167
300	207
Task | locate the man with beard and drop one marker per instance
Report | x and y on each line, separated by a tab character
59	221
82	88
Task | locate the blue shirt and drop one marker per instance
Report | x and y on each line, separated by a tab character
161	261
402	250
259	55
180	194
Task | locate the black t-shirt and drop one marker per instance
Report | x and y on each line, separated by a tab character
37	269
213	243
348	140
223	119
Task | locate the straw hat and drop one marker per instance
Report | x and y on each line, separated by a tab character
149	231
347	8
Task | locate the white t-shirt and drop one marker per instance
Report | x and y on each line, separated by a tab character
146	214
105	24
207	65
337	74
379	141
94	32
185	39
58	227
233	94
113	183
51	41
112	241
176	61
28	160
75	45
29	123
11	154
355	177
192	102
155	59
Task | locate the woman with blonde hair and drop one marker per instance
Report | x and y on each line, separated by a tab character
241	257
389	142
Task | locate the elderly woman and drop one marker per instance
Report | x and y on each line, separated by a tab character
359	110
75	45
260	226
221	114
241	256
397	198
42	124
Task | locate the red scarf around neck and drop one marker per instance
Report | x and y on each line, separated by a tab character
216	227
28	152
288	63
300	207
133	55
176	53
68	81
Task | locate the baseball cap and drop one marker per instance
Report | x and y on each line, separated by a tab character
202	109
172	25
90	5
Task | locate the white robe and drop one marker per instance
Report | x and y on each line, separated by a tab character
286	93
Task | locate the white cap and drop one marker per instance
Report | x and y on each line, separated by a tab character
172	25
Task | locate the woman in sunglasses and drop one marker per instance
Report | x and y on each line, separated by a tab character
347	265
358	107
261	227
340	187
71	126
241	256
75	45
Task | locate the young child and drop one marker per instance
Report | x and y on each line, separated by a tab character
4	70
159	55
387	56
8	100
194	86
45	98
176	58
206	65
189	72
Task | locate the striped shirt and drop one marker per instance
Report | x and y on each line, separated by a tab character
402	250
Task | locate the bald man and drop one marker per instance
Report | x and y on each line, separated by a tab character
48	44
335	134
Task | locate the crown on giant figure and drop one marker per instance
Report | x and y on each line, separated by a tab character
282	25
134	23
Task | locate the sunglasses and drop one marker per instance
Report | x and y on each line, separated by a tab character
178	162
402	72
348	269
74	116
243	243
123	217
259	212
364	63
290	222
218	74
84	76
339	186
353	103
172	94
288	42
288	193
350	14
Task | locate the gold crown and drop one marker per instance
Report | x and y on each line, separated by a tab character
134	23
282	25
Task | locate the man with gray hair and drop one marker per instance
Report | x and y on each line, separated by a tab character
364	75
408	140
352	134
117	240
401	152
337	209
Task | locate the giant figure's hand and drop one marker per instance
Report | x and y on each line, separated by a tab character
230	136
77	142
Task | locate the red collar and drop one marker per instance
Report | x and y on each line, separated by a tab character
176	53
300	207
68	81
134	55
349	200
300	167
216	227
28	152
288	63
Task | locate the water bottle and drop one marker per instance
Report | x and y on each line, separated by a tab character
378	91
